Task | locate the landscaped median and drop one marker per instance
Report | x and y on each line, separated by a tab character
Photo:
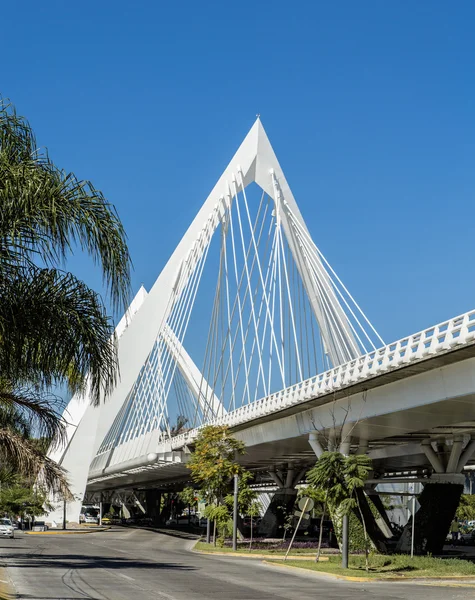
397	567
244	552
388	568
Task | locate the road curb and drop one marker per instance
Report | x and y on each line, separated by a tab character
67	531
259	556
447	581
7	591
324	574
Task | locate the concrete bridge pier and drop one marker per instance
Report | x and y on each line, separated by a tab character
441	495
282	502
152	503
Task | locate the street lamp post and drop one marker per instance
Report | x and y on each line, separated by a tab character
64	513
208	531
235	512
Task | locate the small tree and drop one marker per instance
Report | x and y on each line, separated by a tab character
253	511
466	508
246	495
287	520
188	497
213	464
23	500
320	498
316	494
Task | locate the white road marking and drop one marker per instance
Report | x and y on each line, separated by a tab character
125	576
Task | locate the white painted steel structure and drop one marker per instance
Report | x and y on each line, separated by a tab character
428	377
246	322
434	340
278	314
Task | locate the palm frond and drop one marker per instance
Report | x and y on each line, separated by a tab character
53	327
20	453
29	412
46	211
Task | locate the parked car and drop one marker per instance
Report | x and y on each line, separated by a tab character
183	520
6	528
90	519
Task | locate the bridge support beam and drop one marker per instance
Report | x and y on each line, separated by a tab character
440	498
152	503
282	502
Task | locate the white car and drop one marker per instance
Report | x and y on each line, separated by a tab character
6	528
90	519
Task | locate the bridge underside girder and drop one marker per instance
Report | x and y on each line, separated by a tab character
393	419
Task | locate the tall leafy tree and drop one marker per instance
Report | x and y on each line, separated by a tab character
213	465
466	508
213	462
23	500
53	327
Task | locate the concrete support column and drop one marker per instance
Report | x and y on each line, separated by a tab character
432	457
282	502
363	447
276	478
289	480
439	499
315	444
455	453
438	503
466	455
153	500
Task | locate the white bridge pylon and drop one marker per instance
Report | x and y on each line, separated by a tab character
251	298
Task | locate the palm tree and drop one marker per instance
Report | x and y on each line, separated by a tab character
20	453
53	328
342	479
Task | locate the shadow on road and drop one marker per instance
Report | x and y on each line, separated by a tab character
176	533
78	561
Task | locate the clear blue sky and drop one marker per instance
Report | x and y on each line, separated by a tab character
370	107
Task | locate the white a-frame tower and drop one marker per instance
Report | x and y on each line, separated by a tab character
246	305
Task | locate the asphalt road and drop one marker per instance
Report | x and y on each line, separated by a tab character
131	564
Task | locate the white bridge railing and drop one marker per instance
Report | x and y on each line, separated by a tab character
417	347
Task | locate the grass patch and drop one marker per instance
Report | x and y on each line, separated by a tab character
396	566
204	547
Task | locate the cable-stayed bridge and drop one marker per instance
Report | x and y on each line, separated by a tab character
248	325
